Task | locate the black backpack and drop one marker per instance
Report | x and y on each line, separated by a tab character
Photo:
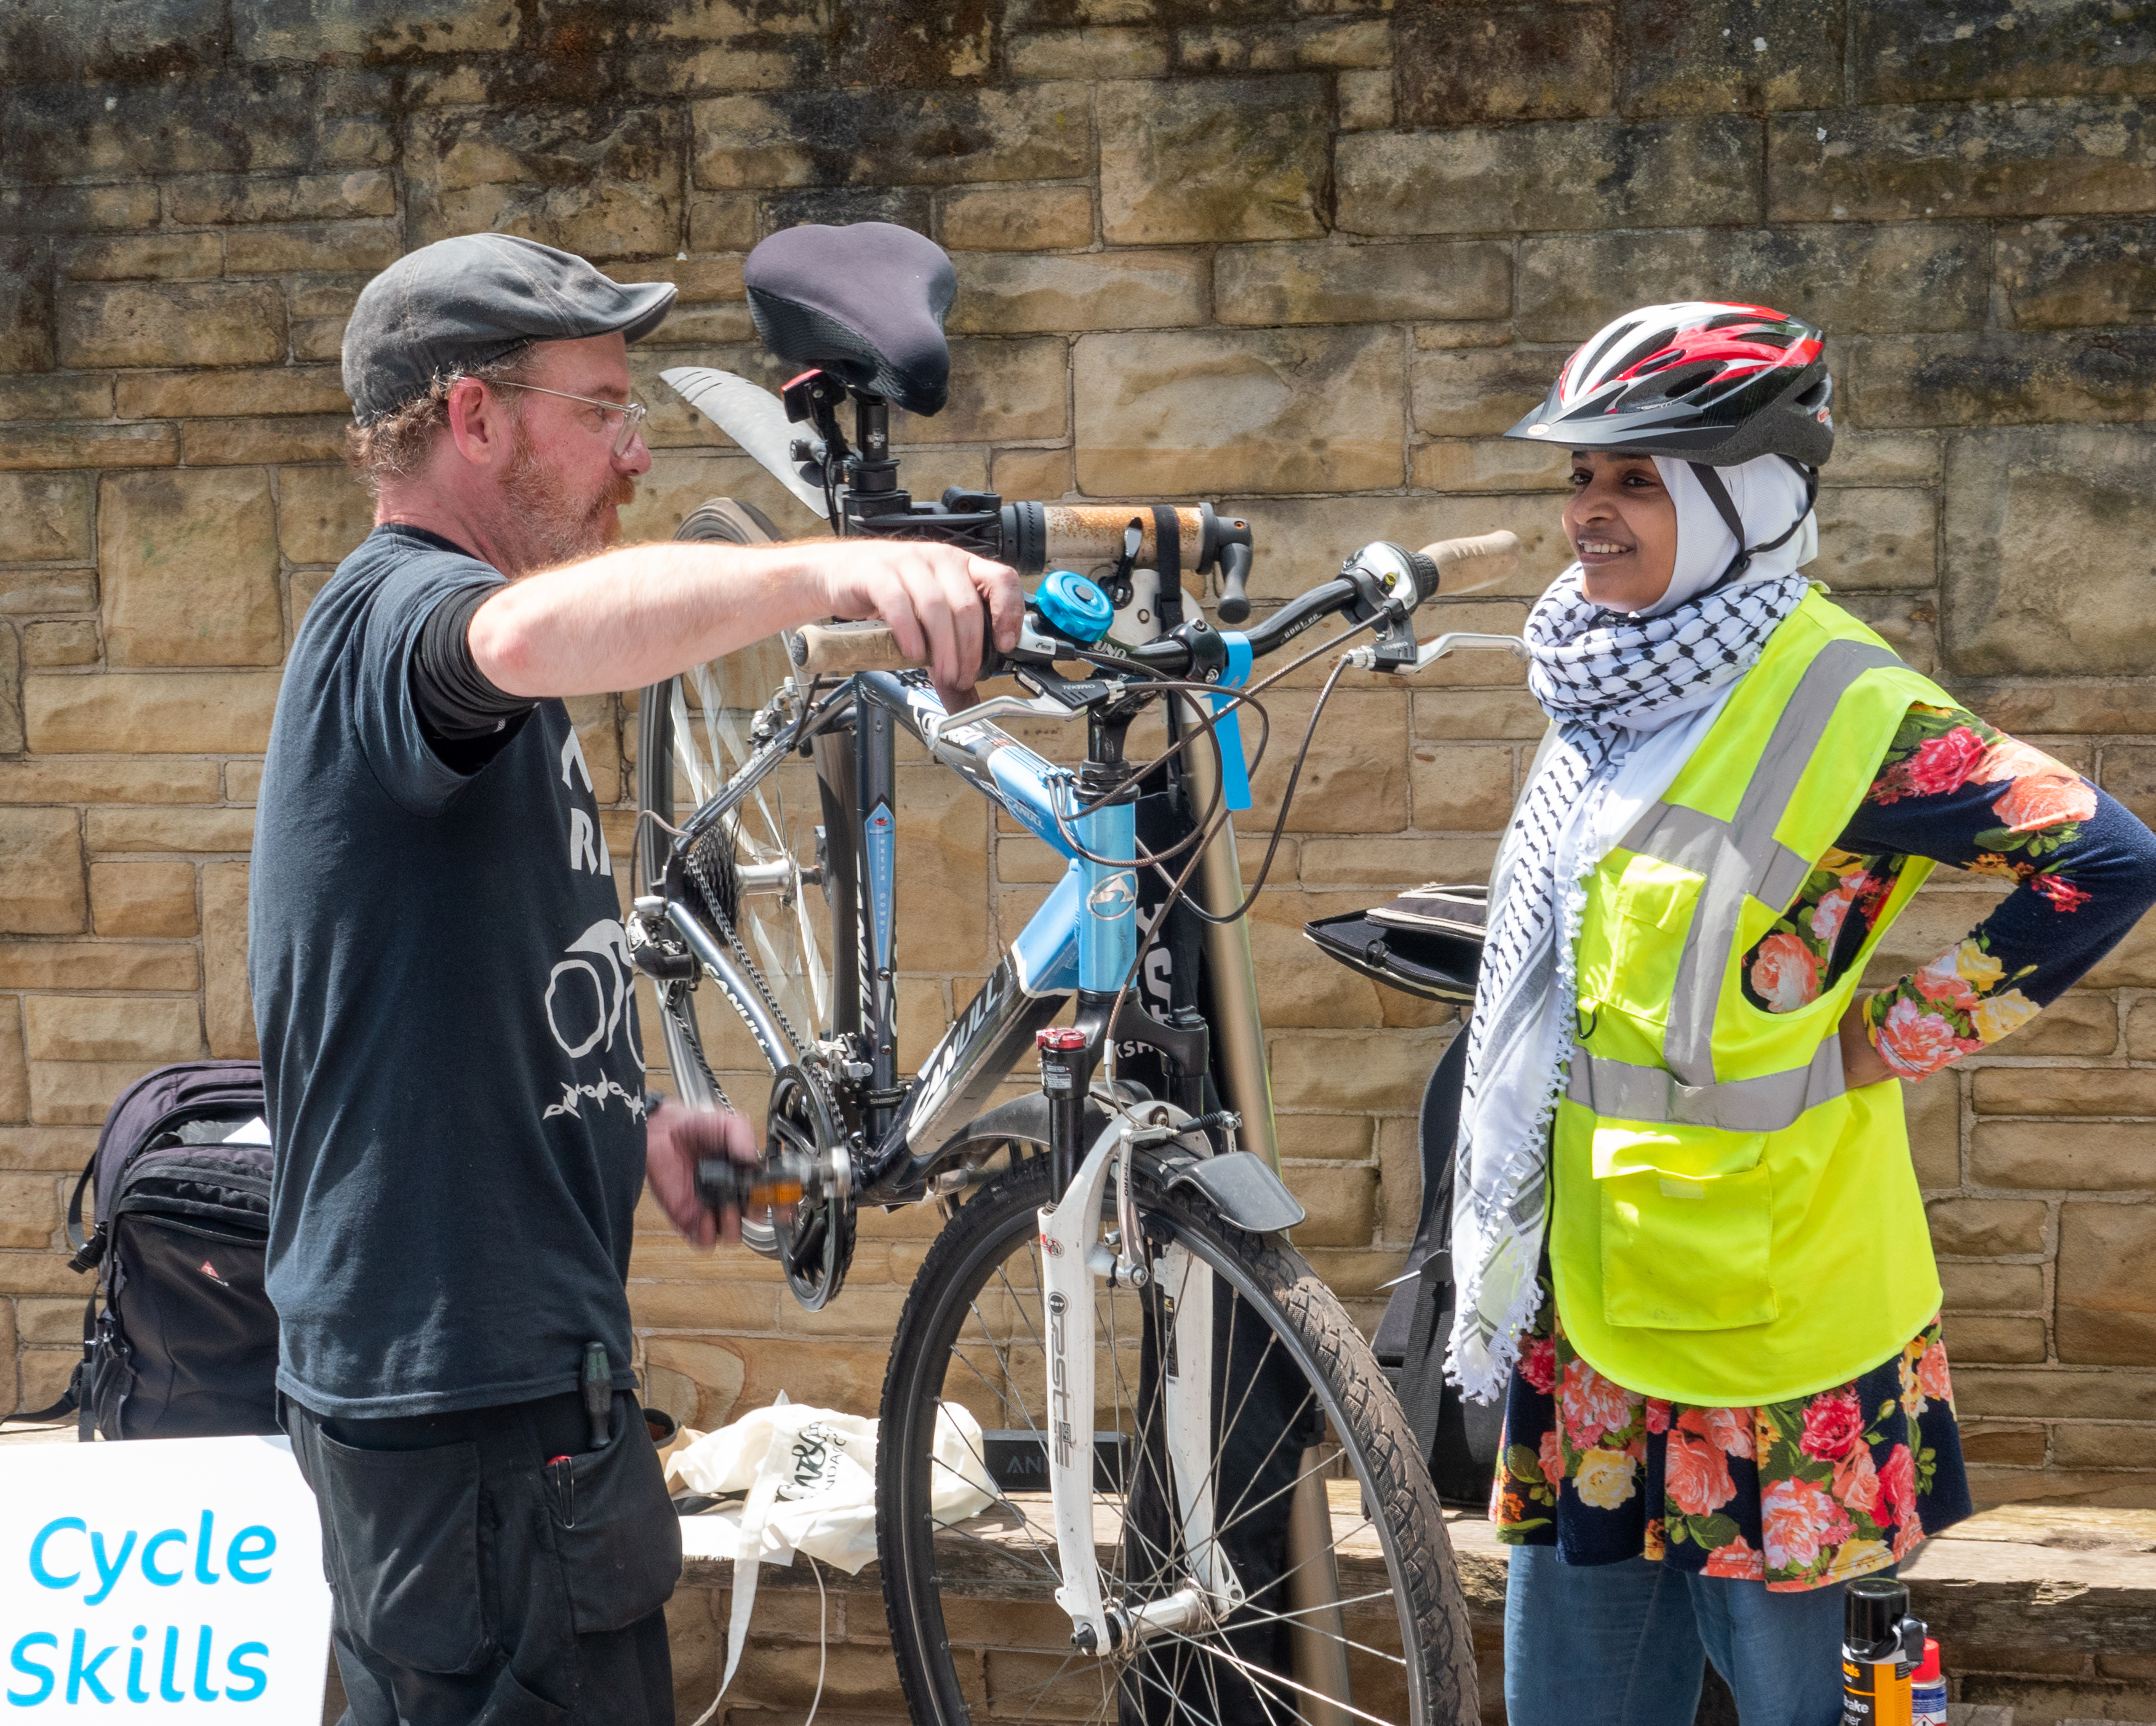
186	1345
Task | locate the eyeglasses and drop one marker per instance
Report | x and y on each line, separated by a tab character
632	415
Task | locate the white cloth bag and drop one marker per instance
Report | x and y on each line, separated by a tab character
810	1477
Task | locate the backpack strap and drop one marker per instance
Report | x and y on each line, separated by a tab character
87	1253
70	1400
1168	558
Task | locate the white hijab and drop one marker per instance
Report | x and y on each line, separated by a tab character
1768	493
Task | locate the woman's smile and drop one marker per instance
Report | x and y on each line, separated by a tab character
1601	550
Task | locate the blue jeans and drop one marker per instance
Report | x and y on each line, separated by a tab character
1626	1644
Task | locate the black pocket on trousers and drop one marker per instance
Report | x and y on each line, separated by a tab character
620	1538
402	1552
510	1703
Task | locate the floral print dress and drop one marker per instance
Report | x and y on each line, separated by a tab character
1819	1489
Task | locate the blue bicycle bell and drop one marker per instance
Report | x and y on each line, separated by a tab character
1073	605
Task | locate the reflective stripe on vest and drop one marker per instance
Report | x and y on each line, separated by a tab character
1736	857
1617	1091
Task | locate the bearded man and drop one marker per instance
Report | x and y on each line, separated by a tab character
444	995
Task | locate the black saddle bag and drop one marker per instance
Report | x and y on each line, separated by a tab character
1428	943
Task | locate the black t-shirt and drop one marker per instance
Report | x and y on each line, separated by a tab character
449	1033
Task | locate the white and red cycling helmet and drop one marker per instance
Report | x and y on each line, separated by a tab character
1702	380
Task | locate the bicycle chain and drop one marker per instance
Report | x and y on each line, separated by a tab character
687	1021
700	870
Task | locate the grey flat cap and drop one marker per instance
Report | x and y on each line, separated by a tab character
468	301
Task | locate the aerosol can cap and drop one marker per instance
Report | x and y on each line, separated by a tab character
1872	1609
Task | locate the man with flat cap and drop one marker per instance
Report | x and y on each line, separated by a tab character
443	996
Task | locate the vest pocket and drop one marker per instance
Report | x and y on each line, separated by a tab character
1650	908
1687	1227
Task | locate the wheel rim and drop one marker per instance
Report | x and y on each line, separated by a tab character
991	1313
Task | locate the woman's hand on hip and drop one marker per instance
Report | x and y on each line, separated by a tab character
1860	1063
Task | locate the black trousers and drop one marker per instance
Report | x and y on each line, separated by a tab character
489	1569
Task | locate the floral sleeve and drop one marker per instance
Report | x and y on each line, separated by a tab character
1955	790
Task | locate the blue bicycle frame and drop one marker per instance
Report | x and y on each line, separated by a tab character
1085	938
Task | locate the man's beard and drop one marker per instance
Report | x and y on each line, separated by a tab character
559	526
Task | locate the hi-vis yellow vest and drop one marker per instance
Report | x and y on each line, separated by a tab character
1730	1225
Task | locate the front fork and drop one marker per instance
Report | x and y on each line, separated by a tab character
1074	1257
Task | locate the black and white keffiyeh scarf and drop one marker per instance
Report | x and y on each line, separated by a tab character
1630	697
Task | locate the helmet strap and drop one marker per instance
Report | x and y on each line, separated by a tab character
1710	482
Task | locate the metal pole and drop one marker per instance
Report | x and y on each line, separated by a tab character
1238	1033
1317	1634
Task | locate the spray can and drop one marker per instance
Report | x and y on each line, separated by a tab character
1928	1689
1881	1647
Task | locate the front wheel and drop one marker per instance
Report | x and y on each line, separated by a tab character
1329	1522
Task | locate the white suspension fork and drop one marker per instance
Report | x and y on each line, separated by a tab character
1187	1377
1072	1257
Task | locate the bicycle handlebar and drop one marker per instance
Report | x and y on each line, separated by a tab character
841	649
1485	558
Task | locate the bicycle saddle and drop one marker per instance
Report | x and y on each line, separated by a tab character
865	303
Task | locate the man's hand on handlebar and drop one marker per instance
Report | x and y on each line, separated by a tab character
675	1138
930	598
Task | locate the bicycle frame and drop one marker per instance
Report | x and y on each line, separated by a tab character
1083	941
1085	938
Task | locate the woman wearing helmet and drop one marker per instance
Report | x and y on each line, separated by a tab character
1692	1253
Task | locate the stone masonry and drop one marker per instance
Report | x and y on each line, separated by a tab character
1303	261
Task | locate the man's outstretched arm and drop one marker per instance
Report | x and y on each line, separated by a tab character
631	616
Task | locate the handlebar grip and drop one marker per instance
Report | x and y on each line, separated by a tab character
1481	560
1087	535
841	649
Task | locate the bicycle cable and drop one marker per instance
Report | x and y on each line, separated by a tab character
1207	826
1216	814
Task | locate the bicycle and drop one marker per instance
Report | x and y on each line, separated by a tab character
1246	1530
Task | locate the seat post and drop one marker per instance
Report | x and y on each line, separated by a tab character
872	472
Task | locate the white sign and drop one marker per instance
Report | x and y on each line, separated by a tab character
167	1579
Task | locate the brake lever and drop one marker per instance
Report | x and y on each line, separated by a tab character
1045	705
1234	606
1365	659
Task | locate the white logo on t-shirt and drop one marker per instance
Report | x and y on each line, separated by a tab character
589	992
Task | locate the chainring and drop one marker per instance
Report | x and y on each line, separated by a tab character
818	1248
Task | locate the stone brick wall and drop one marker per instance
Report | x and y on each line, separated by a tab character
1302	262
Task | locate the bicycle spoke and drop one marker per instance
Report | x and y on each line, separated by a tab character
1050	1571
1259	1676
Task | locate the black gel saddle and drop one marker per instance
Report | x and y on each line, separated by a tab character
865	303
